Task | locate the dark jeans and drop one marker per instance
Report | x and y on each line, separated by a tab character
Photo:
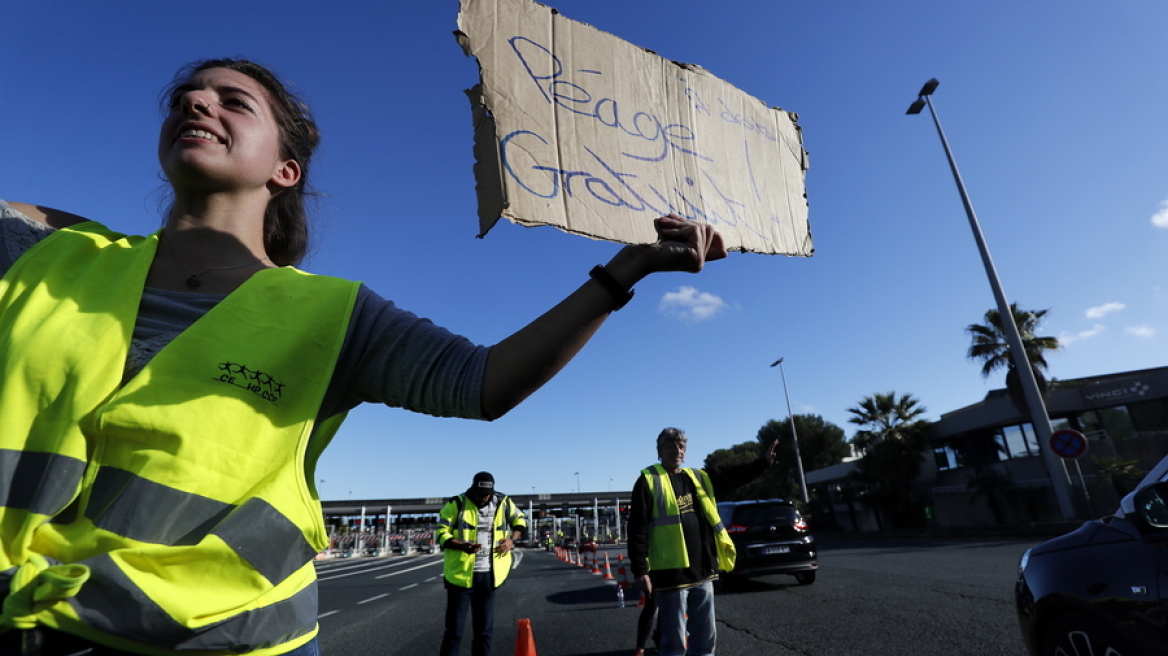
479	599
310	648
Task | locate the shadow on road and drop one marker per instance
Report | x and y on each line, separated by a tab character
601	594
753	586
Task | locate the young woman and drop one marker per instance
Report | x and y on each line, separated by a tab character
165	398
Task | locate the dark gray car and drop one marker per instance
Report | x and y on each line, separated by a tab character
771	538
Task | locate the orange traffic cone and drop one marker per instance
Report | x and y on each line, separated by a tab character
524	640
596	562
607	570
620	572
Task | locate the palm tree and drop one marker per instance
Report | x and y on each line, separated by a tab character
891	437
991	347
884	418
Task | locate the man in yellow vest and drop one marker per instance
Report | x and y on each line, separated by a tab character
677	543
477	531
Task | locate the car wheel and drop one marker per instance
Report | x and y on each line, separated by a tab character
1075	634
805	578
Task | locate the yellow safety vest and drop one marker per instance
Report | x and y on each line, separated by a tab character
667	548
171	513
459	519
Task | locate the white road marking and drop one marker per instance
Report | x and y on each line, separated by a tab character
385	576
364	570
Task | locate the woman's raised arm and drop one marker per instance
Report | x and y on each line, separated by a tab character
523	362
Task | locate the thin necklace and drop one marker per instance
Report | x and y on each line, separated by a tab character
196	279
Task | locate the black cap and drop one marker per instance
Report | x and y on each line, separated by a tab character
483	484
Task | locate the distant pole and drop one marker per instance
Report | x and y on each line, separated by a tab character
616	513
1036	406
794	435
595	518
577	482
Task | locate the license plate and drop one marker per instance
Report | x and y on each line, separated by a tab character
775	550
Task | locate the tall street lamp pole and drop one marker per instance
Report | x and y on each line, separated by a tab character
1034	402
794	435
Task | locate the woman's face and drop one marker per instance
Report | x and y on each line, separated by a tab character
221	135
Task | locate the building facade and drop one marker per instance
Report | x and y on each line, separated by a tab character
983	466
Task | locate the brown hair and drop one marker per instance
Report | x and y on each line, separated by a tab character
286	219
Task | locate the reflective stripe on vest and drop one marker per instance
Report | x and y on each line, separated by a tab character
127	614
40	483
146	511
183	491
667	548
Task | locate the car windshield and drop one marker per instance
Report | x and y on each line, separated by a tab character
763	513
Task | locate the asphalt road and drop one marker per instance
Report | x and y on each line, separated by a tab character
872	597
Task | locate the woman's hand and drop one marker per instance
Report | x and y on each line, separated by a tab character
684	245
681	246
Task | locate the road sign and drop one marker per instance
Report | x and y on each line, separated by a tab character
1068	443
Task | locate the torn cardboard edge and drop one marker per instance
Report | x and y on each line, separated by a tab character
496	196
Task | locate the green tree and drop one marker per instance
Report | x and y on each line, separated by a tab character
886	418
891	438
821	444
1118	471
990	346
994	486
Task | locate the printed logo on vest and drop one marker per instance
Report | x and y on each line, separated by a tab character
253	380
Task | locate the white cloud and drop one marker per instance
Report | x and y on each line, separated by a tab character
689	304
1102	310
1160	218
1067	339
1144	330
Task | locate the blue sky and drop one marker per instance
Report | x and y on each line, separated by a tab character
1054	110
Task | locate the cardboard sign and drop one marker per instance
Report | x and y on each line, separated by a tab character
578	129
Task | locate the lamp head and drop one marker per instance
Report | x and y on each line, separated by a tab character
920	102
